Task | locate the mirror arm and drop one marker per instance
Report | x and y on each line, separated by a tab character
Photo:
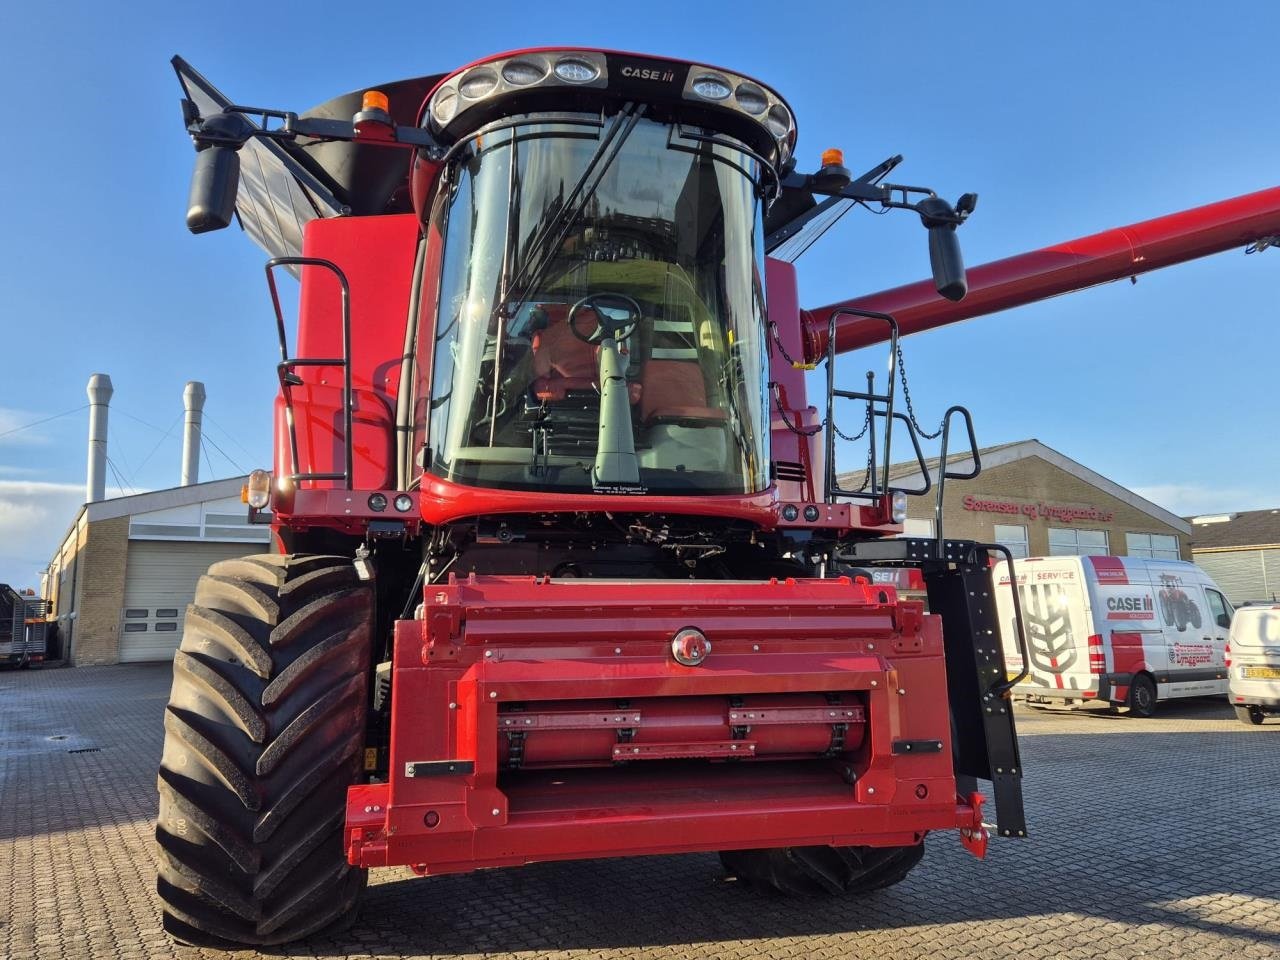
235	125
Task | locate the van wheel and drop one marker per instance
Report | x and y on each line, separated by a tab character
1142	696
1249	715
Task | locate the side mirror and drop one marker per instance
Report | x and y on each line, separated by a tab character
212	201
214	182
1224	620
944	248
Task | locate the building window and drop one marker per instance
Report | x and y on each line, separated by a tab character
167	612
1014	537
135	613
166	628
135	628
1155	546
1067	541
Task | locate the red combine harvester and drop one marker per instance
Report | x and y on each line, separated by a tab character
564	568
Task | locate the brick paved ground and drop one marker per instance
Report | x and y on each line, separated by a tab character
1156	838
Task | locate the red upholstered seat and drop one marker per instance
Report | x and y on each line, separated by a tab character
562	362
674	390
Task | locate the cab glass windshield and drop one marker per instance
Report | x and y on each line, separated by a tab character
599	324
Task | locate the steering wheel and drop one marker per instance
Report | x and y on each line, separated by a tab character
603	304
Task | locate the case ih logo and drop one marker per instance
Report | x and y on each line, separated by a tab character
1130	608
661	74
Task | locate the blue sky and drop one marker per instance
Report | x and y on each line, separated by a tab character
1065	121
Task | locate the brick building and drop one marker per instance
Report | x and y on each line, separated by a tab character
120	581
1039	502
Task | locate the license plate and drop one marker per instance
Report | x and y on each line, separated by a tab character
1262	673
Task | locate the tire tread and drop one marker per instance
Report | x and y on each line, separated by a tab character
263	734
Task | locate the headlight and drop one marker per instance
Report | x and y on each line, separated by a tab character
778	121
258	489
751	98
403	502
522	72
444	105
478	83
378	502
899	506
711	87
576	70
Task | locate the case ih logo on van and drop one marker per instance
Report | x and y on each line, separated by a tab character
1135	607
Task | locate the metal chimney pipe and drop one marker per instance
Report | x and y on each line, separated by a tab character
193	402
95	484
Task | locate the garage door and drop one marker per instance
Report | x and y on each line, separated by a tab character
160	580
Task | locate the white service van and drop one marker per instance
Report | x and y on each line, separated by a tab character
1253	662
1123	630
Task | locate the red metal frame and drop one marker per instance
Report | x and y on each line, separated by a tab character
488	644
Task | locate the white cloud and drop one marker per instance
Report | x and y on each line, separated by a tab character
34	515
1193	499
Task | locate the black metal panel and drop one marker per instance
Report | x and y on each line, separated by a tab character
985	738
439	768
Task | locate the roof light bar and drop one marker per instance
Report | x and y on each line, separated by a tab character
475	95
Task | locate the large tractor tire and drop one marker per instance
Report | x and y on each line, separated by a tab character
822	870
264	732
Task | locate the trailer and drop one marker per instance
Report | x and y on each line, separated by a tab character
23	627
563	568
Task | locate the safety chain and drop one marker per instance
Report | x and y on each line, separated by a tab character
906	395
866	425
777	340
777	399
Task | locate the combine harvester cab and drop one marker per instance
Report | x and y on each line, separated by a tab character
564	569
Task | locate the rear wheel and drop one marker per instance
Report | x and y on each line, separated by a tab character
822	870
1142	696
263	734
1249	715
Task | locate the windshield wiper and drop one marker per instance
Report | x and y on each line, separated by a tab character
543	248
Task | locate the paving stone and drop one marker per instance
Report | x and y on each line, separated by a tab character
1150	838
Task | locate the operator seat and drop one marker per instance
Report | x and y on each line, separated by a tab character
561	361
673	387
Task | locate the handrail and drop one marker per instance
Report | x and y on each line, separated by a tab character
1004	686
288	380
943	473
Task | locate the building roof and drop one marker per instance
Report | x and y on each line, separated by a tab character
1248	528
1000	454
156	500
